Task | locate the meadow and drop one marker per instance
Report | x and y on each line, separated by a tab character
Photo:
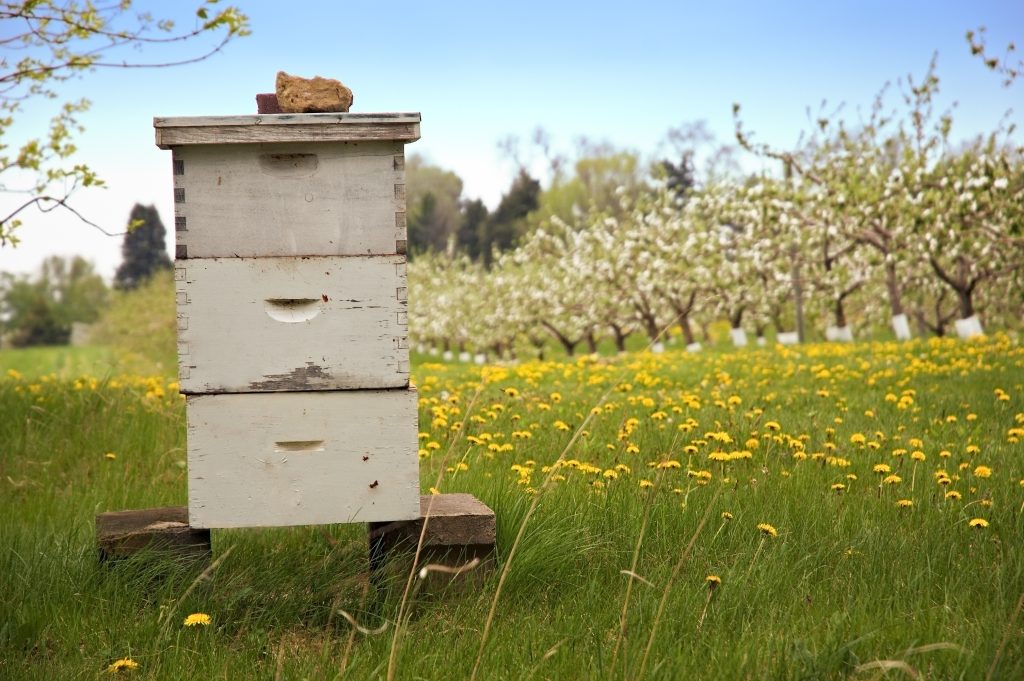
827	511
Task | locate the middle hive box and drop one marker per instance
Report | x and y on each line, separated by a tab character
292	340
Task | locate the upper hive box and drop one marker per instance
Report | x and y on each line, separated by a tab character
289	184
291	241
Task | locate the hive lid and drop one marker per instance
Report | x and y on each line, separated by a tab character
270	128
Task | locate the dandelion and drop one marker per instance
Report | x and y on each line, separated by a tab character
983	472
979	523
772	425
768	530
728	516
838	487
881	468
713	581
124	664
892	480
197	619
904	503
953	494
561	425
110	456
645	484
858	439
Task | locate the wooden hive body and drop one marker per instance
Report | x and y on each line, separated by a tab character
290	284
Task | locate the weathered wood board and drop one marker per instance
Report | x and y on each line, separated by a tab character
291	324
314	127
334	198
302	458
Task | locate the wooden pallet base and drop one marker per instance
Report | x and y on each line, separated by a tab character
459	529
121	534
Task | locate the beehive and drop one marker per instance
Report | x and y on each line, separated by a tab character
290	284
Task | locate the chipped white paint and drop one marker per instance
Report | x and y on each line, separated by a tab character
289	199
264	459
283	324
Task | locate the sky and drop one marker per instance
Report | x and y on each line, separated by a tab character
478	72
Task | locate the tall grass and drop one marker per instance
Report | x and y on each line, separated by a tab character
852	586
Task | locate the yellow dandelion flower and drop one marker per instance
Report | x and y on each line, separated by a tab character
646	483
838	487
858	439
713	581
561	425
978	522
917	455
983	472
953	494
726	515
772	425
124	664
197	619
973	449
110	456
904	503
768	529
892	480
610	474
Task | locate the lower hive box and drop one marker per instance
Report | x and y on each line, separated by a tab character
275	459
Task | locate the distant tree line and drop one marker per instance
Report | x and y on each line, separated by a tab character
41	309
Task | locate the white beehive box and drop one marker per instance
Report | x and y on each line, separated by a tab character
292	327
302	458
292	323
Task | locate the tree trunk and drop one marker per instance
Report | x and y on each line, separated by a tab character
650	326
892	283
567	343
966	302
840	313
591	342
736	319
684	321
620	337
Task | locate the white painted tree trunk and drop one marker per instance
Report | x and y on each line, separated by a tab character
969	327
901	326
693	347
788	338
739	337
840	334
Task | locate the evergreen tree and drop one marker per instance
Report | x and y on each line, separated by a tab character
144	250
472	227
508	222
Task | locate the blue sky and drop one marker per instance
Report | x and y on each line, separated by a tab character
478	72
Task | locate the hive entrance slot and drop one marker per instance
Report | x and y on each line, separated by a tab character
297	446
292	310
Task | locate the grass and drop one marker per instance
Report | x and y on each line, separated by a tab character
853	586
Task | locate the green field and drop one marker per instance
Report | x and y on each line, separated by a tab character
892	474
